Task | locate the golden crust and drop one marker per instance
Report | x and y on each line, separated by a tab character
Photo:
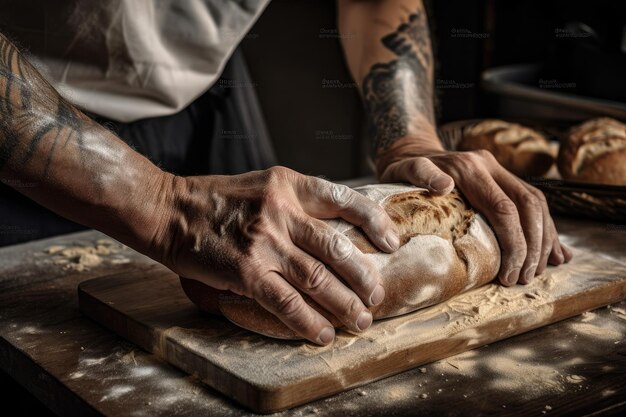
447	248
521	150
594	151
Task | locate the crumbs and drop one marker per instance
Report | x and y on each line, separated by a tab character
84	257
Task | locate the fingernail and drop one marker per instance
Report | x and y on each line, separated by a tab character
440	182
364	321
512	276
393	241
327	335
378	295
529	274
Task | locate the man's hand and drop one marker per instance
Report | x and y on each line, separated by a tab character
393	58
517	211
259	235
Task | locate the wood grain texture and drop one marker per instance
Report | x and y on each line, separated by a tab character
77	367
266	375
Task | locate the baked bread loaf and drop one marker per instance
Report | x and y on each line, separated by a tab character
523	151
595	151
447	248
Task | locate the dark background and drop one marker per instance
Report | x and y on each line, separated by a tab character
312	106
318	130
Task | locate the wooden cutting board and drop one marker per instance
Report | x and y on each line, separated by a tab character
266	375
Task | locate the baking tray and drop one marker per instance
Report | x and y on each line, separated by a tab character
568	198
513	92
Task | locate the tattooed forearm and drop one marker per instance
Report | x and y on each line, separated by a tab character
398	92
79	169
34	119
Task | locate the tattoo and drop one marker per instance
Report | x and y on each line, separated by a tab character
395	91
32	114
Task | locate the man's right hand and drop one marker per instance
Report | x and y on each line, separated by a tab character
256	234
260	235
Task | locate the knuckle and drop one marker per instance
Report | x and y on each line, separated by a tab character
529	201
341	195
340	248
504	207
417	166
278	172
484	155
309	229
540	197
517	255
317	279
470	163
378	218
353	307
271	196
288	305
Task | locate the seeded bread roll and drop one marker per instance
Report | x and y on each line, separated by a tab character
447	248
595	151
523	151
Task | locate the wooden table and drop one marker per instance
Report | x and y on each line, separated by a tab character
76	367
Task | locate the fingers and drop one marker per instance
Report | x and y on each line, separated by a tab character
323	199
334	249
518	213
314	279
550	242
485	194
421	172
275	294
567	252
537	233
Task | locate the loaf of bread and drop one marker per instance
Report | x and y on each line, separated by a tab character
523	151
447	248
595	151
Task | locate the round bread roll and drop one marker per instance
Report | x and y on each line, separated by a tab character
446	248
523	151
595	151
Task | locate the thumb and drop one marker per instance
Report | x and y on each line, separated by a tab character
421	172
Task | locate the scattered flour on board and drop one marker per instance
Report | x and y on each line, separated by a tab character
83	257
513	376
593	326
116	391
619	312
466	318
596	331
126	371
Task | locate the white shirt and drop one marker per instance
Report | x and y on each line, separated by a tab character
132	59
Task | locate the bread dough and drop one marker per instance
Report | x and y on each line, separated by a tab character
447	248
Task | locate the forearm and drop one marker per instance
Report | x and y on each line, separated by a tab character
60	158
388	51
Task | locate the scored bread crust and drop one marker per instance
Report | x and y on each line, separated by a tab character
521	150
595	151
447	248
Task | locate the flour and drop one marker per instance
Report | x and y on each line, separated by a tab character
619	312
84	257
465	321
528	378
116	392
575	379
511	370
118	376
597	331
